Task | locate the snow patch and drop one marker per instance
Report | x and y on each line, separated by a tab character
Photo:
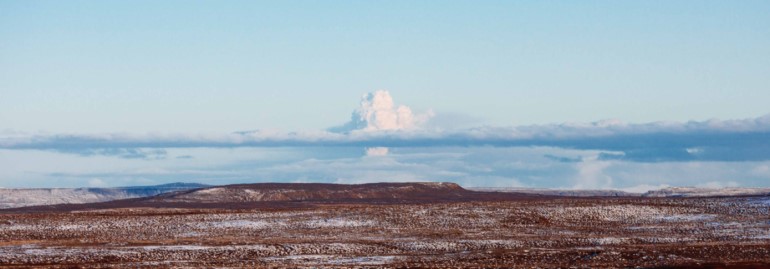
609	241
242	224
71	227
339	222
686	217
211	191
764	201
176	247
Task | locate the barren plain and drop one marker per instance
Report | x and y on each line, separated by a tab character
539	232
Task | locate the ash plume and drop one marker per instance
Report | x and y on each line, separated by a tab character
378	112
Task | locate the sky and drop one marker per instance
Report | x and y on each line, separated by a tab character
628	95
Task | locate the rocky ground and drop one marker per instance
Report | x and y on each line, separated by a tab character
545	233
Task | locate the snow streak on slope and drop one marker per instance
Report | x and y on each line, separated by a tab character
10	198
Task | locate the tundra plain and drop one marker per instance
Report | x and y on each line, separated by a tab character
549	232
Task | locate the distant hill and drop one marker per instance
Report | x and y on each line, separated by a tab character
562	192
704	192
316	192
287	195
665	192
283	195
10	198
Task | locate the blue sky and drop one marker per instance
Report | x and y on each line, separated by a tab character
132	86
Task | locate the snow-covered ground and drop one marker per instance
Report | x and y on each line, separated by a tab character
339	222
383	235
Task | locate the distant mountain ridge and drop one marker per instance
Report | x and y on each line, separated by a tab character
705	192
284	192
297	195
266	195
10	198
562	192
664	192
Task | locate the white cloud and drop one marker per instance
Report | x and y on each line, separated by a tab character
642	188
97	183
377	151
717	184
761	170
591	175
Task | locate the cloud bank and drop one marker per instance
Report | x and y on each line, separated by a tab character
380	124
713	140
387	142
468	166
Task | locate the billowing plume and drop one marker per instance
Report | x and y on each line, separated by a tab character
377	112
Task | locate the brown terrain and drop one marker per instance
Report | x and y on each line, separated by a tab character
393	225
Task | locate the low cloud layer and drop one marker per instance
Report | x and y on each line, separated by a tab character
379	123
386	142
124	153
468	166
713	140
